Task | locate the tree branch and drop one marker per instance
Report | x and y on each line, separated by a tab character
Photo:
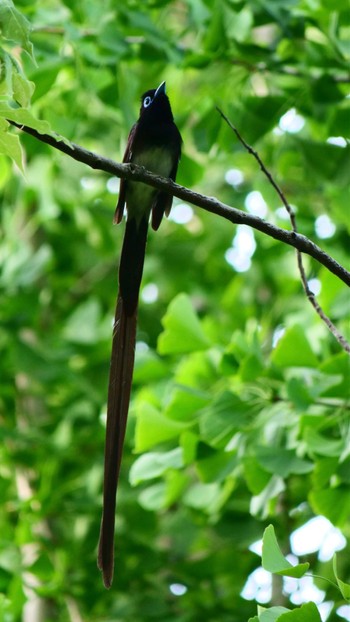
288	70
310	295
210	204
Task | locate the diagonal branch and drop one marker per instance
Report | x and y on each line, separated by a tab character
210	204
310	295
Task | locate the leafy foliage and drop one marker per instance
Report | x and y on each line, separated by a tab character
240	405
274	560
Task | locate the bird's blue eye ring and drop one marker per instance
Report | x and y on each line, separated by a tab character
147	101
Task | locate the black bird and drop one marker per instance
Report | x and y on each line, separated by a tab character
155	143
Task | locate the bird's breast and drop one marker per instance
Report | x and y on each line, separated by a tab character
158	160
139	196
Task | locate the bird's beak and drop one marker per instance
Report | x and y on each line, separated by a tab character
160	90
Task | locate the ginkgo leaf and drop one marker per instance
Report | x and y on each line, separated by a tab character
273	559
183	331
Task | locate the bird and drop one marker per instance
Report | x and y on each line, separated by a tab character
155	143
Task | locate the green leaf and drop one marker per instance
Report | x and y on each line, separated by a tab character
215	37
83	325
298	393
42	567
256	477
344	587
153	497
340	121
23	90
239	26
333	503
189	442
183	331
14	26
205	132
332	287
327	162
190	171
23	116
185	404
163	495
6	609
216	466
176	483
274	561
4	171
153	428
306	613
343	471
257	115
45	74
196	370
250	368
10	145
262	504
218	421
208	497
151	465
272	614
149	367
282	462
338	364
7	74
323	445
200	496
324	471
306	385
342	5
293	350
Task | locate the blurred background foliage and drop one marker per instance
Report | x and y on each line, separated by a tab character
239	414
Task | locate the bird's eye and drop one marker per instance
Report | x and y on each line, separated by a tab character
147	101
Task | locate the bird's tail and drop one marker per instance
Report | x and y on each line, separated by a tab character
120	379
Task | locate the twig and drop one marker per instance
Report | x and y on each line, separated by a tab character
311	297
210	204
73	610
342	78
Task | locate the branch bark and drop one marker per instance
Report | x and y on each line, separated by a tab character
310	295
210	204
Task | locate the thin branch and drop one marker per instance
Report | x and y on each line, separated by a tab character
210	204
60	30
288	70
73	610
85	32
310	295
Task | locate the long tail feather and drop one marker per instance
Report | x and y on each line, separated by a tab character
119	388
